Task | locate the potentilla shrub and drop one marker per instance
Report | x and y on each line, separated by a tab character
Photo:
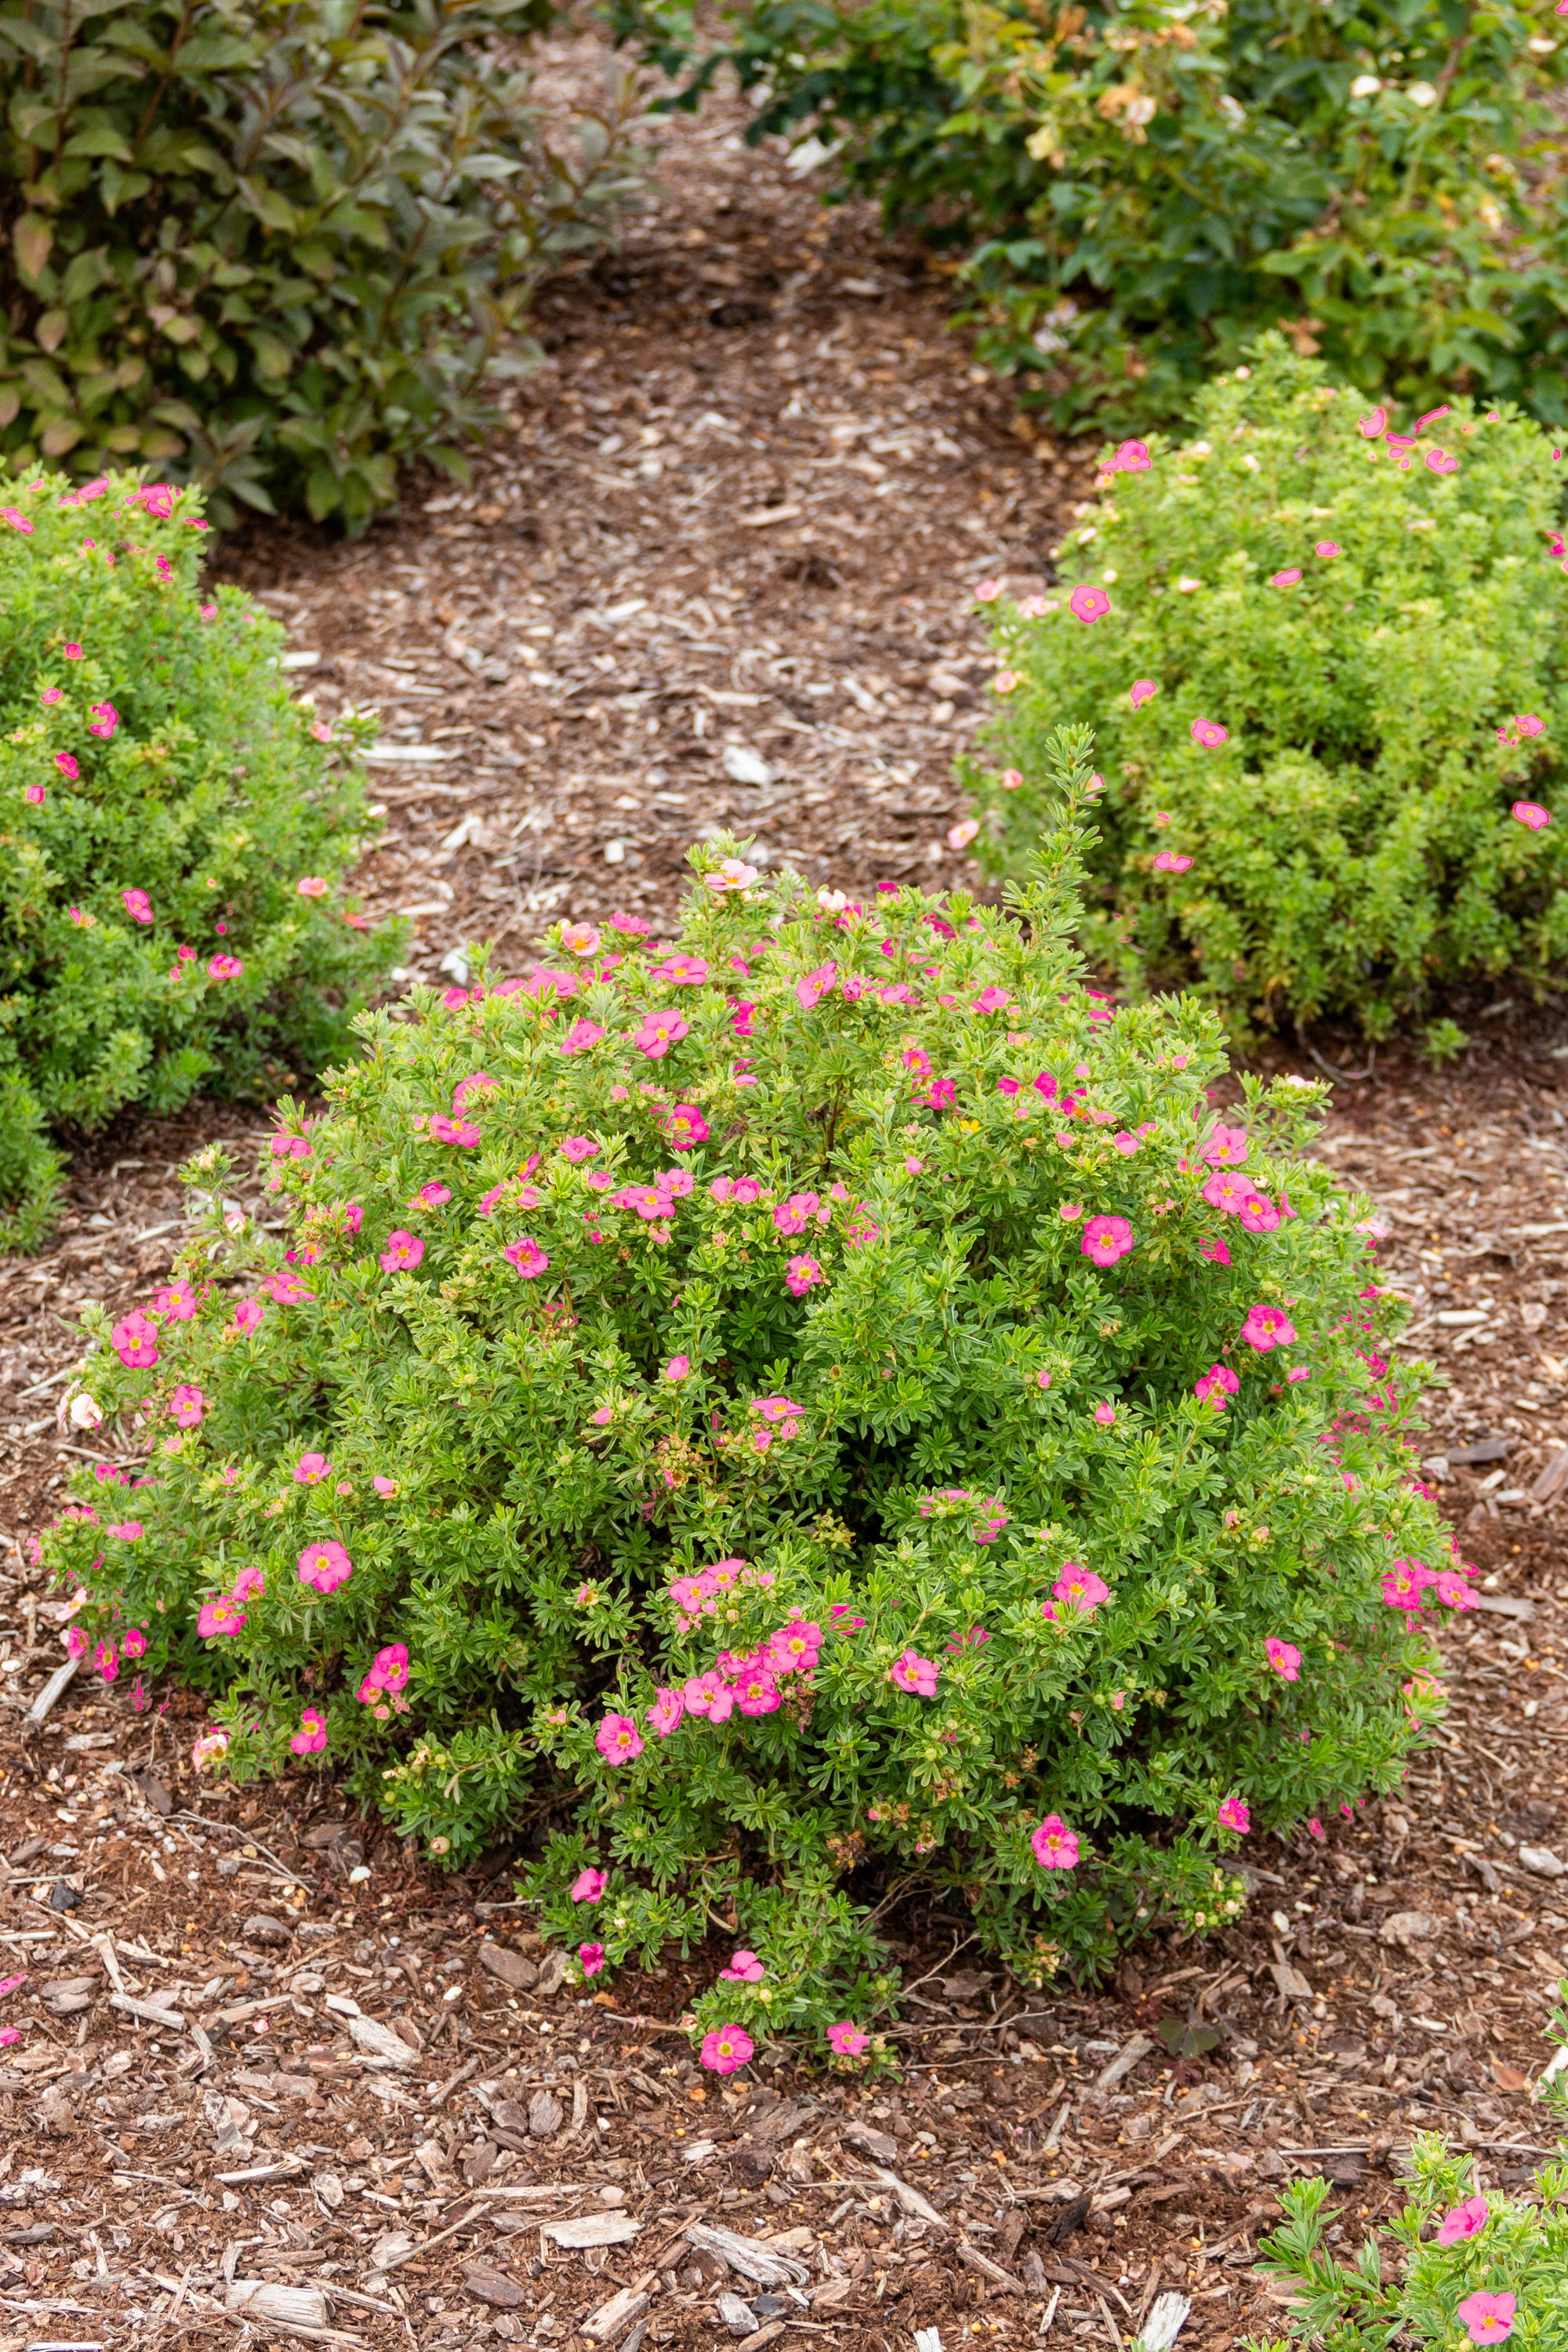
1323	651
1467	2265
819	1400
173	833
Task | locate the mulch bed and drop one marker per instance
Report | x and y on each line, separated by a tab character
733	528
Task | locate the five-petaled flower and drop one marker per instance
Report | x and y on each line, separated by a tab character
618	1739
726	2047
325	1566
402	1251
1236	1815
1488	2318
1054	1846
847	2040
913	1672
1284	1657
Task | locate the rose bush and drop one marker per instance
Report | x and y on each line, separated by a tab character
173	833
823	1398
1323	657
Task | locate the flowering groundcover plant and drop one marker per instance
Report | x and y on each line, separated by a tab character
748	1410
1474	2267
1321	650
173	833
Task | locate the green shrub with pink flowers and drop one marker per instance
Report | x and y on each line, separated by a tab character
173	833
1469	2265
822	1401
1323	650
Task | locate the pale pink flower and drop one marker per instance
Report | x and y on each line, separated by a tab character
677	1368
744	1969
659	1032
1208	734
665	1713
580	939
1106	1239
1285	1658
589	1886
847	2040
1054	1846
1268	1327
1089	604
311	1469
402	1251
913	1672
618	1739
730	873
1007	681
961	834
209	1749
1438	461
1011	779
1170	861
127	1530
1327	550
1236	1815
985	591
1488	2318
325	1566
1466	2220
727	2047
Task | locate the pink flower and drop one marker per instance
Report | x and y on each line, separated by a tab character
591	1958
69	770
1283	579
847	2040
210	1749
635	927
432	1196
727	2047
1327	550
453	1131
1054	1845
311	1469
664	1714
527	1256
127	1530
685	970
34	793
1144	689
137	904
1532	814
1079	1589
659	1032
106	1659
1266	1328
1403	1584
71	652
618	1739
311	1735
248	1581
589	1886
744	1969
1235	1816
1453	1591
225	967
135	1643
1170	861
76	1641
1226	1146
961	834
1218	1382
1438	461
794	1647
223	1615
1466	2220
1106	1239
404	1250
730	873
135	1341
1105	1414
287	1289
582	1037
1258	1213
1088	603
578	1148
1285	1659
105	720
325	1566
985	591
17	521
677	1368
247	1314
1529	724
580	939
1208	735
311	885
1007	681
1488	2318
913	1672
177	1300
800	1273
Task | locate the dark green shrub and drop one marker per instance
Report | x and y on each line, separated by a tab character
1135	189
173	833
277	250
1353	846
824	1402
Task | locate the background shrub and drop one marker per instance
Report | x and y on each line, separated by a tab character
277	249
1350	848
821	1399
173	833
1134	189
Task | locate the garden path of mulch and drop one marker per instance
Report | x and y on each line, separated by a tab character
740	360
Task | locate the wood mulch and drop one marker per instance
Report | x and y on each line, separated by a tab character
739	513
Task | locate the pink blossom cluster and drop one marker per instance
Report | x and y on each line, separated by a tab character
1078	1592
1404	1584
1238	1198
699	1595
386	1682
990	1519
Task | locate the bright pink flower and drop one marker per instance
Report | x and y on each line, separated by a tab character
1218	1382
287	1289
591	1958
913	1672
1285	1659
1327	550
34	793
1531	813
794	1647
1216	1252
684	971
775	1408
71	652
1466	2220
311	1469
1488	2318
177	1300
107	1660
1529	724
1453	1591
313	886
665	1713
677	1368
1054	1845
1106	1239
433	1196
744	1969
1132	457
727	2047
1283	579
105	720
659	1032
1105	1414
76	1641
325	1566
135	1341
69	770
686	1127
1088	603
1207	734
453	1131
1170	861
247	1314
127	1530
223	1615
1226	1148
1143	690
582	1037
135	1642
589	1886
403	1251
800	1273
634	927
527	1256
1403	1584
847	2040
1236	1815
1079	1589
248	1581
1268	1327
1258	1213
311	1735
618	1739
137	904
1438	461
225	967
578	1148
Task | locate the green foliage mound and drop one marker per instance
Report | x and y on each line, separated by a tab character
1377	625
173	833
277	249
821	1399
1133	190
